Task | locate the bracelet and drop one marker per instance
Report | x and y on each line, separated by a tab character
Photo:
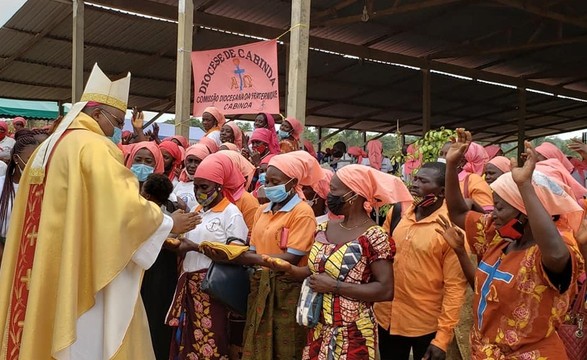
337	288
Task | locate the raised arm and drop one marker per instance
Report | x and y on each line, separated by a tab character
456	240
555	254
457	207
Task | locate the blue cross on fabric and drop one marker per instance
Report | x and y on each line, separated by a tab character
240	73
492	273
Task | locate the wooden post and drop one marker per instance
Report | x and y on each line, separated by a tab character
77	56
364	138
426	101
521	122
319	137
183	89
298	60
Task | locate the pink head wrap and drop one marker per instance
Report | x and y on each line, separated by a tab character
238	134
309	147
19	120
502	163
301	166
268	137
153	149
322	187
229	146
242	164
174	150
272	139
412	163
267	158
376	187
476	157
492	151
550	151
297	127
357	152
217	115
4	125
200	151
375	148
553	195
220	169
182	140
209	143
555	170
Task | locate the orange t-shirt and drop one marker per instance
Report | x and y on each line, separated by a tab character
516	307
291	229
248	205
429	285
478	191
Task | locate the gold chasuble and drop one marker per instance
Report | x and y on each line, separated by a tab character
69	274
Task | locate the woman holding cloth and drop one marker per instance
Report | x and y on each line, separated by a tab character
284	228
351	263
202	324
529	261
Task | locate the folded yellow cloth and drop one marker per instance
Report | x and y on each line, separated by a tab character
231	251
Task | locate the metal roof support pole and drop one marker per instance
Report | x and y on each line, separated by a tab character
77	56
521	122
185	26
364	138
319	137
426	101
298	60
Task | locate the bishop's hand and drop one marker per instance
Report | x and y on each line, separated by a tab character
184	222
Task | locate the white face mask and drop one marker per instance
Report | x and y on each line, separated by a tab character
441	160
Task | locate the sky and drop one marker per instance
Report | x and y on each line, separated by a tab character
9	7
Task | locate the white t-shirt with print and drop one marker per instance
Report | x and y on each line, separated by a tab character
185	191
216	226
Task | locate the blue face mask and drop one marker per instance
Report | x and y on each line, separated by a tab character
277	193
142	171
283	134
117	136
262	177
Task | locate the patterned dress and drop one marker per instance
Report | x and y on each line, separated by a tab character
347	329
516	308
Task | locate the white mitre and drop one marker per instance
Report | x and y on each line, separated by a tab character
100	89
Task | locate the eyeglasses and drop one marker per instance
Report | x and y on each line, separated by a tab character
119	123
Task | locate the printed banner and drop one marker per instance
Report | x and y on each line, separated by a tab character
237	80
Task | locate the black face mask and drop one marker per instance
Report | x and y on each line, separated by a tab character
336	203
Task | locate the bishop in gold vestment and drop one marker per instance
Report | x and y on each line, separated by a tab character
78	243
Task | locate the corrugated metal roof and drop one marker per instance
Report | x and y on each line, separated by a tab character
341	89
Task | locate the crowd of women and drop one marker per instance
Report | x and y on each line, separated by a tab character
302	229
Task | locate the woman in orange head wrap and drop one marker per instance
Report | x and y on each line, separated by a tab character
289	135
375	153
496	167
145	159
173	159
212	121
193	312
527	242
301	166
361	279
184	189
231	133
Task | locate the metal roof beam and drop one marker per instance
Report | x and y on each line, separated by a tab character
35	39
393	10
472	51
528	6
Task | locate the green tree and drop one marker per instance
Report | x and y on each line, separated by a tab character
193	122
